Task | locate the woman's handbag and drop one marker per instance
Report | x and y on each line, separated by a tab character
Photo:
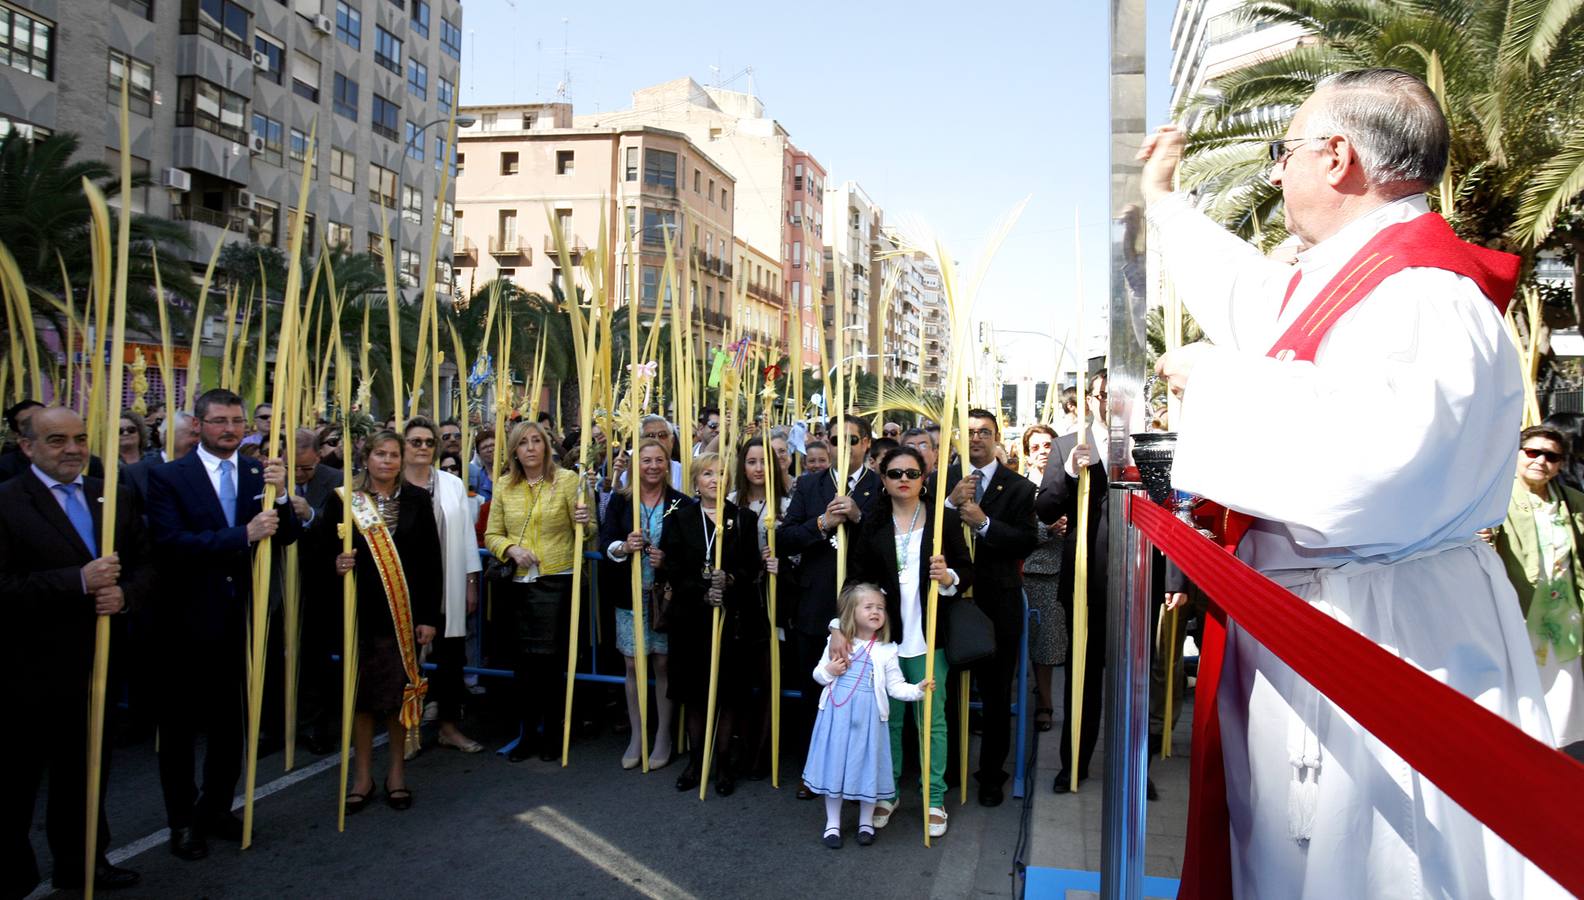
501	571
660	608
970	635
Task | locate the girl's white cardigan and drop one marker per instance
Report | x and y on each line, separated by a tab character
885	671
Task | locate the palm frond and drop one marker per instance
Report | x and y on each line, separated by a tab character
1555	184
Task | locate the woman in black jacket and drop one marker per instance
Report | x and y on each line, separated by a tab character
894	549
696	588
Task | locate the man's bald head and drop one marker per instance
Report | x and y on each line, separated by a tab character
55	440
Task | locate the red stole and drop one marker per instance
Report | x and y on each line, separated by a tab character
1424	242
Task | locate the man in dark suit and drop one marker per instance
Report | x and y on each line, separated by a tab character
55	583
320	603
997	506
1058	497
812	518
205	514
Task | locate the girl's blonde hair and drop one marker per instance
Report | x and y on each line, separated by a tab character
514	467
632	466
712	461
847	606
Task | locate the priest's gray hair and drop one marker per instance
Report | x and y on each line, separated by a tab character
1391	118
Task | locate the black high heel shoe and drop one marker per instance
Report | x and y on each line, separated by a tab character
688	780
356	801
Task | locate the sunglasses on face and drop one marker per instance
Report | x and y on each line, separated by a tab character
853	440
128	429
657	436
899	474
420	442
1535	453
331	442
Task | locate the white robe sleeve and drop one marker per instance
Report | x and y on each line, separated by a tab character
1399	436
1232	290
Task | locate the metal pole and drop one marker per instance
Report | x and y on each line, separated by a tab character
1127	594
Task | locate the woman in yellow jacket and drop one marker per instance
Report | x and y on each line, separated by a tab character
533	511
1539	544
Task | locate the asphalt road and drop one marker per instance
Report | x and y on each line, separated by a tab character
483	827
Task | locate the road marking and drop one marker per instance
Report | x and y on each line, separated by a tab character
602	854
149	842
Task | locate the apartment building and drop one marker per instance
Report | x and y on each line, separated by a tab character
849	266
935	341
1213	37
224	95
527	170
759	298
779	200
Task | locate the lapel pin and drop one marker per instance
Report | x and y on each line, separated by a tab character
252	471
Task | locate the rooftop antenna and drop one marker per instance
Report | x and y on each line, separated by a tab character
566	69
716	71
473	69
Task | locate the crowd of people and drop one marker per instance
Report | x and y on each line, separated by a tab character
437	529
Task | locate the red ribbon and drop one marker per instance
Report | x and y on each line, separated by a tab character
1512	783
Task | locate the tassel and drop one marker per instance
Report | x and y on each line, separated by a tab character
1303	798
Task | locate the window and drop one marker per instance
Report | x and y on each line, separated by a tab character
650	289
27	43
563	220
660	168
507	235
417	79
275	52
308	225
632	164
509	163
797	212
439	154
447	218
461	161
141	8
724	204
696	181
305	77
264	227
349	25
447	95
412	204
563	162
420	18
387	50
450	40
339	234
343	170
487	123
385	114
273	134
632	222
382	185
376	246
140	92
528	120
299	151
414	145
201	104
797	254
223	21
656	223
711	195
506	273
345	98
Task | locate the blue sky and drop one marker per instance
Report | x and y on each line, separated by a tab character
940	114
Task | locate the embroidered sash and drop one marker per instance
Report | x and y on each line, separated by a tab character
382	547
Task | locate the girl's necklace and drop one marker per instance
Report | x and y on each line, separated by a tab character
904	539
857	682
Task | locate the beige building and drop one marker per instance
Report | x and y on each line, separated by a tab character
528	169
849	266
759	298
779	201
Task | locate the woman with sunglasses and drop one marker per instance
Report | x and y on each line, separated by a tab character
1539	544
894	549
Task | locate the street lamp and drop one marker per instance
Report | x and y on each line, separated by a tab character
401	172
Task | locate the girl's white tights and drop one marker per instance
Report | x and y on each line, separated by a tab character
833	814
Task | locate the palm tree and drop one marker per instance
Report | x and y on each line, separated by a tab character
45	220
1506	75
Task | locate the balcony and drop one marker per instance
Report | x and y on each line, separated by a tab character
759	292
235	220
575	245
511	246
464	253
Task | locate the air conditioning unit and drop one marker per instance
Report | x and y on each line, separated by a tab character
324	24
256	144
244	200
178	180
260	60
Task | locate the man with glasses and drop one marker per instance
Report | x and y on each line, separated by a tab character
997	506
813	516
923	443
205	515
262	414
1387	332
708	428
450	437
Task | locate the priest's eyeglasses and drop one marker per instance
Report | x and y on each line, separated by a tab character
1279	150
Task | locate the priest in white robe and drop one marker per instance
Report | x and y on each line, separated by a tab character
1368	463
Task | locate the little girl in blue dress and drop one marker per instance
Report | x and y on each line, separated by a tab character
849	754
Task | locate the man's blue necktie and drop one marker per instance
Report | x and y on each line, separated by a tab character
984	482
81	518
228	495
